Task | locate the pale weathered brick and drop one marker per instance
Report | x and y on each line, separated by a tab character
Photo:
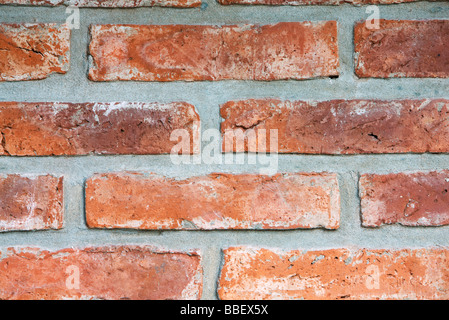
216	201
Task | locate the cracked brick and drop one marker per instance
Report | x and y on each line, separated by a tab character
215	201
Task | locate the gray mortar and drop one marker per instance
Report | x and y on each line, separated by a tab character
207	96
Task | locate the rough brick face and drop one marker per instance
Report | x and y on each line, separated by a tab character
337	126
129	272
108	3
191	3
402	49
411	199
33	51
29	129
31	203
92	173
296	50
250	273
216	201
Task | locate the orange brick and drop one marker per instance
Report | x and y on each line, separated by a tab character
337	126
216	201
31	203
112	273
250	273
43	129
32	51
402	48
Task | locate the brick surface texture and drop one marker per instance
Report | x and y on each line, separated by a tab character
31	203
216	201
337	126
250	273
185	52
30	51
120	272
224	149
43	129
402	49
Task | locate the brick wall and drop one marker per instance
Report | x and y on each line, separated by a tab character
179	149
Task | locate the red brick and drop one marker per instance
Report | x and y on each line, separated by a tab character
32	51
250	273
411	199
107	3
29	129
290	50
338	126
314	2
402	49
215	201
112	273
31	203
